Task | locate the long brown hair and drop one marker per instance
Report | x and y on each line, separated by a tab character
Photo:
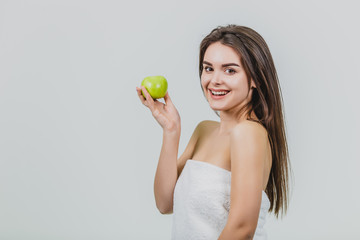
266	102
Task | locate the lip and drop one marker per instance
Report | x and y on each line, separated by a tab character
219	90
218	97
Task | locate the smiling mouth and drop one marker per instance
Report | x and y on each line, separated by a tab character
218	93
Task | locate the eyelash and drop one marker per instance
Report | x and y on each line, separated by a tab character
206	68
232	70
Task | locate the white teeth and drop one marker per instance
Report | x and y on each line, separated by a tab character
218	93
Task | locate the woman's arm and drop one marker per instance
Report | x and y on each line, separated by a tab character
169	167
166	172
248	142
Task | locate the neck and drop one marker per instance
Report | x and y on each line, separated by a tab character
231	117
229	121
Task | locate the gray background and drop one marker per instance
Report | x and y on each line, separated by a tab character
78	151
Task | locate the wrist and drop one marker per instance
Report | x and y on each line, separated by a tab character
173	132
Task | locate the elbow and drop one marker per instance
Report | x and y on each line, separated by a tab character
243	232
164	206
248	236
164	210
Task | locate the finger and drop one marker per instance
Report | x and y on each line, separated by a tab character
142	99
167	98
149	99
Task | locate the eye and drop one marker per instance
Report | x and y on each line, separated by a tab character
231	71
207	69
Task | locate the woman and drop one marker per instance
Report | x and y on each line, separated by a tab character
234	171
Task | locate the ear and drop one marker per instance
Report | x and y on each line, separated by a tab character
252	85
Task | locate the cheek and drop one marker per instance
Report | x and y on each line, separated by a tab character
204	81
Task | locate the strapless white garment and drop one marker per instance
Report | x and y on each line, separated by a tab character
202	203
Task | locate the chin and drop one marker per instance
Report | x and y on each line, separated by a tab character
217	108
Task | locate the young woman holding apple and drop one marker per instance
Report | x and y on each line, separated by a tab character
232	172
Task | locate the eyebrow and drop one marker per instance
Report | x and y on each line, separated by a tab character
224	65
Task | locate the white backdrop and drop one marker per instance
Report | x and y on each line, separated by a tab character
78	151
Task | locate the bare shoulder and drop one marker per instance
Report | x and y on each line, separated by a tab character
249	129
200	131
206	126
209	123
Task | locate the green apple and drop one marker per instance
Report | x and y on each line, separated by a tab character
156	86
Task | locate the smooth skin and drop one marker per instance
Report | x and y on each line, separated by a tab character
167	170
242	146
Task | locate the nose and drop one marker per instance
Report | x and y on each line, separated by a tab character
216	78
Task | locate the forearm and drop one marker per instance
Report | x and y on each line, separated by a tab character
166	172
232	233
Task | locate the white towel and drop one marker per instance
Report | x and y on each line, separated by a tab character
202	203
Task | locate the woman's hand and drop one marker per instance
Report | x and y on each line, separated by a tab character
165	114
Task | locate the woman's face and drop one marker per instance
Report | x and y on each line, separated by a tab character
222	70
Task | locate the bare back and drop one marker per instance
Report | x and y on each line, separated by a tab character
213	148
